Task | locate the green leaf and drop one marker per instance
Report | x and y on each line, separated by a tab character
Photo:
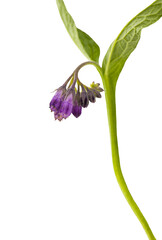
128	39
84	42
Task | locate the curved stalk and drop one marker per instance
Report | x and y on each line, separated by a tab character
84	64
111	111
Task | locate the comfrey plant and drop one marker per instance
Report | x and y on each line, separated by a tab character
73	95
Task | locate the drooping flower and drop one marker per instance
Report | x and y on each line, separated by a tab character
57	100
67	104
62	103
68	100
77	110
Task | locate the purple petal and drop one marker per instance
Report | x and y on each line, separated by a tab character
77	110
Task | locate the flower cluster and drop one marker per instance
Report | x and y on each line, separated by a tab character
72	96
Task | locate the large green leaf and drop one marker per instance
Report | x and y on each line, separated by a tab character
128	39
84	42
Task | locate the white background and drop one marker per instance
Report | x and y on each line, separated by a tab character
56	178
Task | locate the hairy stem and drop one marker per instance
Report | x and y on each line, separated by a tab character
111	111
84	64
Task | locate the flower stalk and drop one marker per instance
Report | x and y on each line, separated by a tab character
111	112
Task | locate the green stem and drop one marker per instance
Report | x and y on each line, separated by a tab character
109	88
111	111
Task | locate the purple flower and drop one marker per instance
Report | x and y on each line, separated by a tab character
62	103
66	106
56	101
68	99
77	110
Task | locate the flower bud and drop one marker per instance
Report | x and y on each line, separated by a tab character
77	110
91	96
84	99
96	93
